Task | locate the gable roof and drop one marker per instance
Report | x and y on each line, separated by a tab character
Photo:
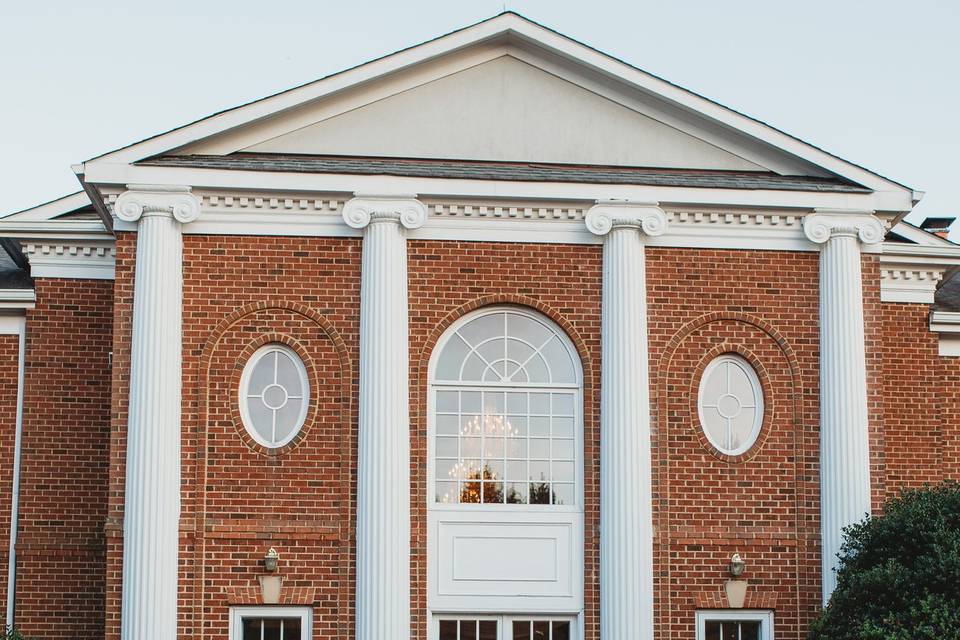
749	138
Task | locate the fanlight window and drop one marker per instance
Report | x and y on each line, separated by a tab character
730	404
506	388
274	395
506	347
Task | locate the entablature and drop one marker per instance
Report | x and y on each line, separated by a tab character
542	220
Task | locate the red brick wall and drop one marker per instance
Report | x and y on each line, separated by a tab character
914	399
238	500
64	467
764	504
240	292
9	359
448	279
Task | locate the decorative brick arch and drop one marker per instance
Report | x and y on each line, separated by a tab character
765	384
346	444
666	372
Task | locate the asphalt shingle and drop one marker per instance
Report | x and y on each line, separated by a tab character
515	171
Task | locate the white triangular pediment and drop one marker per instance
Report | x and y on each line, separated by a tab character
505	89
504	110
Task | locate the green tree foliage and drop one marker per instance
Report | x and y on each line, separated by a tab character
899	573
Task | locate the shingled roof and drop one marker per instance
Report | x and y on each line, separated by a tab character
948	295
12	275
514	171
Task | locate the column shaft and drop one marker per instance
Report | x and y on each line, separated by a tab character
383	481
844	434
152	491
626	520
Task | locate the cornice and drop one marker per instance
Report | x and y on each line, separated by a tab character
912	273
57	258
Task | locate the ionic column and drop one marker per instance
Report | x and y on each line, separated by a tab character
626	510
151	515
844	434
383	473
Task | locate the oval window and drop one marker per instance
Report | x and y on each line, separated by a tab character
730	404
274	395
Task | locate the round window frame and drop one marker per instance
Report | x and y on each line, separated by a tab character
242	396
760	404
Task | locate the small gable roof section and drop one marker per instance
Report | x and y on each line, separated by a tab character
503	90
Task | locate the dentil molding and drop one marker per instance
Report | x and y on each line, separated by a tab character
86	259
646	216
360	211
824	224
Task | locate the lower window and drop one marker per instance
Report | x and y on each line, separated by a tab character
734	625
270	623
504	628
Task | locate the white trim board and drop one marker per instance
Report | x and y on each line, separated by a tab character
18	299
947	325
765	617
52	209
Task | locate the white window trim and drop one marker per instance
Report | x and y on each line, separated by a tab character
759	402
764	617
237	615
505	628
433	386
242	393
548	517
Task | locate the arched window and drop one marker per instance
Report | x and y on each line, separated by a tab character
730	404
506	393
274	395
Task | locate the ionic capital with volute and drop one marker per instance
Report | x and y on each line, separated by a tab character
605	216
825	224
365	209
157	200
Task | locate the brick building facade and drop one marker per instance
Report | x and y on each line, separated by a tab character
591	339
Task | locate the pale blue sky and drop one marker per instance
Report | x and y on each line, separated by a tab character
877	82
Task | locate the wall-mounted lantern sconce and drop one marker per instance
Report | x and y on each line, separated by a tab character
270	560
737	565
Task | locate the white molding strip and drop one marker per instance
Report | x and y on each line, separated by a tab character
16	325
17	298
947	324
945	321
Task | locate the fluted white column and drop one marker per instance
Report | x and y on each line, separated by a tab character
626	510
844	433
383	469
151	514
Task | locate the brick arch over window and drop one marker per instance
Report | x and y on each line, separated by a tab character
686	458
270	322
